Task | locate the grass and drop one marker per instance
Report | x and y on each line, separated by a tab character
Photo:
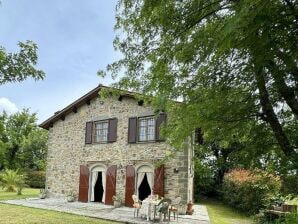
220	213
14	214
26	193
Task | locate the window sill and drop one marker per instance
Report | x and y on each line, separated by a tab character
99	143
146	142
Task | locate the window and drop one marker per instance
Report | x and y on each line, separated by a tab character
101	131
146	129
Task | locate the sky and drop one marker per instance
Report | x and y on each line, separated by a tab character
75	40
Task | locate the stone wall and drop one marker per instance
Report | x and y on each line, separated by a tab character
67	149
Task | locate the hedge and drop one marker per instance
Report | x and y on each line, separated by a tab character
249	191
36	179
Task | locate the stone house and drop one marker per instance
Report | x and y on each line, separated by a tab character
99	147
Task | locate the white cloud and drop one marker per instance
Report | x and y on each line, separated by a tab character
7	105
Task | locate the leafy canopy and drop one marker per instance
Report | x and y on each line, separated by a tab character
16	67
23	145
232	63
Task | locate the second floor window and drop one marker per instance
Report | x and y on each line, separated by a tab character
101	131
146	129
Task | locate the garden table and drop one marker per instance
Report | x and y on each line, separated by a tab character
148	208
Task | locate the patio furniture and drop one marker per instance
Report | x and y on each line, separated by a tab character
174	207
163	208
281	211
148	207
136	205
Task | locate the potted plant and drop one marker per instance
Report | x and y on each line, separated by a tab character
42	193
189	209
71	196
117	200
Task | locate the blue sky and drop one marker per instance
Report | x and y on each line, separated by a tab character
75	40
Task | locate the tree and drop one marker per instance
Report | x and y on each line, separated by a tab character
34	150
23	144
233	63
16	67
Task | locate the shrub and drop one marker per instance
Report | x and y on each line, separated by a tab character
12	181
36	179
289	184
203	180
249	191
268	219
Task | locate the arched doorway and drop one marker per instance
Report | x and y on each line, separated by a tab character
144	181
97	186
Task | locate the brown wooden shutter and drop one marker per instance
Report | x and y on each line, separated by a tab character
110	184
132	130
199	136
129	185
162	117
84	184
88	133
159	181
112	133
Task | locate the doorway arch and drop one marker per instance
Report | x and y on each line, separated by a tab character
97	183
144	180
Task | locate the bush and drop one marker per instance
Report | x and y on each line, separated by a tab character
289	184
291	218
12	181
203	180
36	179
249	191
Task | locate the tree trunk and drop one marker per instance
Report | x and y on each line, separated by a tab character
271	117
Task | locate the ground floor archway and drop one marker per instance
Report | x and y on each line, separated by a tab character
144	181
97	186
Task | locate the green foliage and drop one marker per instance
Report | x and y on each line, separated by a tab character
234	65
22	142
289	184
16	67
291	218
12	181
203	180
36	179
249	191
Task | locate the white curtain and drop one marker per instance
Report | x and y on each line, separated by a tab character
140	179
93	182
104	186
150	180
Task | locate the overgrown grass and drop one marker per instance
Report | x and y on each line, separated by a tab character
26	193
12	214
220	213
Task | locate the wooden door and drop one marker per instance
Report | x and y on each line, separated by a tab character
129	185
159	181
110	184
84	184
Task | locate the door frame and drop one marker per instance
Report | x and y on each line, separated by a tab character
96	167
137	169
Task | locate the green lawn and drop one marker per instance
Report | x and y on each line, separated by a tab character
222	214
27	193
13	214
